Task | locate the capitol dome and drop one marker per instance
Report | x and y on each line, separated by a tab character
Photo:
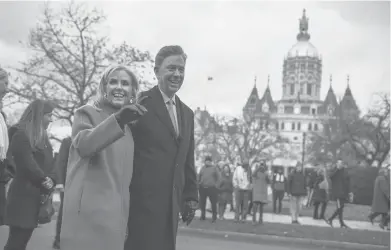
303	48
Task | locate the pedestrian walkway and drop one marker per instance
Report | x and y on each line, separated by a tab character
286	219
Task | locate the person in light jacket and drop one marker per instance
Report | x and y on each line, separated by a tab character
381	198
242	187
297	191
100	166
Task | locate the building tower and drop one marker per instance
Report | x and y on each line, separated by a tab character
302	68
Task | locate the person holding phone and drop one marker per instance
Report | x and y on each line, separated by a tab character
100	166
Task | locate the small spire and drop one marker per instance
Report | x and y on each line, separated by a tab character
255	81
268	80
331	80
303	28
348	81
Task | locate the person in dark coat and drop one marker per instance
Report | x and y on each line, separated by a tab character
319	195
208	180
226	189
61	170
164	181
32	155
381	198
340	191
261	181
296	188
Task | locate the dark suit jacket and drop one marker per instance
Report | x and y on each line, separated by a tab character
164	174
62	160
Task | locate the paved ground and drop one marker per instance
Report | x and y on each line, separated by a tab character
42	239
286	219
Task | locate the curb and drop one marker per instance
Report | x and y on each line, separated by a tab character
271	239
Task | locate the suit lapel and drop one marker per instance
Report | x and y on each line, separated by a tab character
181	118
160	109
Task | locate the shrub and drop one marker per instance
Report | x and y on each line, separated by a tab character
362	180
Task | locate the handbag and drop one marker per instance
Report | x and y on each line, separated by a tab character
46	209
324	185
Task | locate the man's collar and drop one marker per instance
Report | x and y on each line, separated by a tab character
166	98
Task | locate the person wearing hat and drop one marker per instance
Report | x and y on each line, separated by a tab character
208	180
32	157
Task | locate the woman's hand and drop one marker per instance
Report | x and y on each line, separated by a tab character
48	183
131	112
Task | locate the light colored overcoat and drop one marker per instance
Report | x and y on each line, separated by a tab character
100	168
381	195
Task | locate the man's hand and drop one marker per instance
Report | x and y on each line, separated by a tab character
189	211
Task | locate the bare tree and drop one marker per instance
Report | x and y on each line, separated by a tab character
249	137
370	136
69	57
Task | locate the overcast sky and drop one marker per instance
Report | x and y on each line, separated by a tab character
235	41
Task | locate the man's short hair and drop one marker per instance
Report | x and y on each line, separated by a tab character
166	51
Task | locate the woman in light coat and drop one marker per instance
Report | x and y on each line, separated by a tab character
381	198
100	166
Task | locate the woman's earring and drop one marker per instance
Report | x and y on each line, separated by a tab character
131	100
105	95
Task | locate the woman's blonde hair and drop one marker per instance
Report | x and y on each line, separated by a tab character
105	78
32	122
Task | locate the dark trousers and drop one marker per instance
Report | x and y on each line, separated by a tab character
18	238
384	218
212	194
258	206
242	198
278	195
322	210
339	211
59	220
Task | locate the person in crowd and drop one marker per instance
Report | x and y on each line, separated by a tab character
32	156
381	198
278	185
96	197
320	193
260	189
164	183
296	188
5	175
61	168
340	186
242	187
4	143
310	180
208	181
225	188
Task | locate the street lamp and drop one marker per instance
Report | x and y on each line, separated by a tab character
303	151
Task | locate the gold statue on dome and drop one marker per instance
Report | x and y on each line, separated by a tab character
303	23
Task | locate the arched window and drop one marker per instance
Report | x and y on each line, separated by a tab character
309	126
316	127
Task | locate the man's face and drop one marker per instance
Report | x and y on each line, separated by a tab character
171	74
339	164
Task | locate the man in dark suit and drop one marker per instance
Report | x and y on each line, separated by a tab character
164	181
61	169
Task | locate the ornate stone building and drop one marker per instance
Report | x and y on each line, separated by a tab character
301	108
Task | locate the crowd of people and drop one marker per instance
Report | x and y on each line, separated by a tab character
245	188
127	172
